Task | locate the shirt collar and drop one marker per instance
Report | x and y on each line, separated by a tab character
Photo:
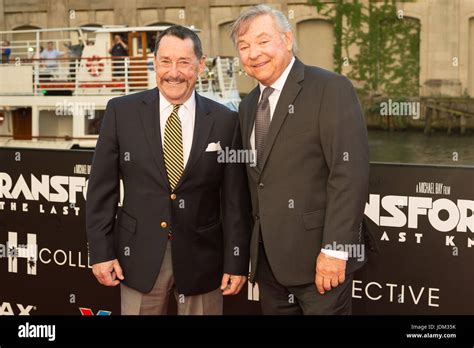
280	82
189	104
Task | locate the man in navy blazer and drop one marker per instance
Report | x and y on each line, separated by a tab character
184	226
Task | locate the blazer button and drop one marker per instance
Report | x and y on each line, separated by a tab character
173	196
164	224
261	186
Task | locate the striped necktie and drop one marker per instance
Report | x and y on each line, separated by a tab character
173	148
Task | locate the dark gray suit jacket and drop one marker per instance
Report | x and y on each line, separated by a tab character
313	186
209	218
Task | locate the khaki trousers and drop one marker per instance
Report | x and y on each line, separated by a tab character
134	302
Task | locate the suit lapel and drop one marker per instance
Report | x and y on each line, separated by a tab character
202	127
150	117
288	94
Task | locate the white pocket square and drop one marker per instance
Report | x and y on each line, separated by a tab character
211	147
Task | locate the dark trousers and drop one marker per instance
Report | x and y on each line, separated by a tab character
277	299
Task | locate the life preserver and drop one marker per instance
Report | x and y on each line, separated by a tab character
94	65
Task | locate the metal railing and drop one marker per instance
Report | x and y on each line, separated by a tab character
86	76
111	76
28	49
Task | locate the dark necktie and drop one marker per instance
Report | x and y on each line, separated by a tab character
262	124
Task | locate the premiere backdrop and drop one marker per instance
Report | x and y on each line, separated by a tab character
421	217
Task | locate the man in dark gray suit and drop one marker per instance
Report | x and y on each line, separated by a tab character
310	182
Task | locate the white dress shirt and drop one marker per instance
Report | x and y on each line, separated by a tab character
187	115
50	63
273	100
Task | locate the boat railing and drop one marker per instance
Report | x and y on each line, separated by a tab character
82	76
30	49
103	76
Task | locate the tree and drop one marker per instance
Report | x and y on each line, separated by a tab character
388	59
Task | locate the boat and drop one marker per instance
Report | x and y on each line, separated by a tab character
59	103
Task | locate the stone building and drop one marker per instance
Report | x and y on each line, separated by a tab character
446	38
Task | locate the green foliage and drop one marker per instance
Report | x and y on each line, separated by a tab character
388	59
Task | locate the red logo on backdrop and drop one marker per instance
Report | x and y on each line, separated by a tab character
88	312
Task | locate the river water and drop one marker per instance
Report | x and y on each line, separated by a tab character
415	147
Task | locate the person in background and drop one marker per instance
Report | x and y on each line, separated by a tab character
49	58
118	51
75	53
151	42
6	51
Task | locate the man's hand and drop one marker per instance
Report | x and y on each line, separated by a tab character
107	272
232	284
330	272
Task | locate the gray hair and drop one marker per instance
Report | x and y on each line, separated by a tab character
243	21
